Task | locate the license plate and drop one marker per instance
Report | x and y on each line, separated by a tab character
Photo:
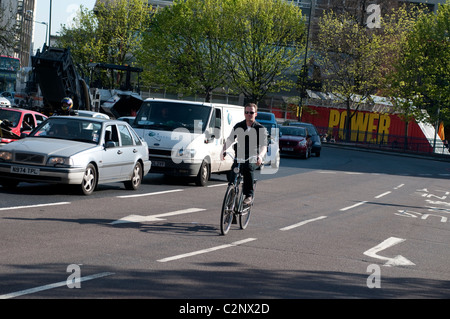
158	163
25	170
288	149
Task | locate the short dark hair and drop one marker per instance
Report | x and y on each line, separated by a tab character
252	105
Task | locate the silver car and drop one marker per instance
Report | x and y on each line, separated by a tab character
77	151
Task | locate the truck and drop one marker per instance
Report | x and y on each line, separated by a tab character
186	138
57	76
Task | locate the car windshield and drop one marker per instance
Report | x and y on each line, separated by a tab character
311	128
293	131
76	129
169	116
9	115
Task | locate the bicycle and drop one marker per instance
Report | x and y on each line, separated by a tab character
233	206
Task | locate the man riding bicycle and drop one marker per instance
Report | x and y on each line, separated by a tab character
251	146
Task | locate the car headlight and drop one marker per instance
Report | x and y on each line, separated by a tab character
6	156
302	143
59	161
186	153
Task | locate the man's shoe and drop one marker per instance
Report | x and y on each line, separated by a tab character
248	200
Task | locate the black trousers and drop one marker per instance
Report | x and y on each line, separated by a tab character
248	173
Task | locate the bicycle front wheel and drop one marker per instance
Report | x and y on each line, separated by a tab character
226	217
244	217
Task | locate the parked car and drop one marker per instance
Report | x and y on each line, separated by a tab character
273	151
9	96
295	141
78	151
4	102
16	122
315	137
92	114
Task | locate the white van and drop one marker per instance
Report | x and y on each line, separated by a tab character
186	138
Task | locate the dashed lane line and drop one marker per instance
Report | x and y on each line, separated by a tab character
52	286
208	250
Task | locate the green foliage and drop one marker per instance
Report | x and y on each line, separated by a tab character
422	69
266	44
183	48
355	59
246	45
110	35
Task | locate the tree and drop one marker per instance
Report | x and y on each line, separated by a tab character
184	47
8	32
267	43
356	58
193	47
111	34
421	78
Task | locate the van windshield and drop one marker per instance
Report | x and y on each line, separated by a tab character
156	115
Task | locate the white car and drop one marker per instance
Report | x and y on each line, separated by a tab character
79	151
4	102
92	114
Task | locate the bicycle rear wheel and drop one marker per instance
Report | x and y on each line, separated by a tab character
226	216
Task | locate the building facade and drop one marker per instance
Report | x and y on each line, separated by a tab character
17	17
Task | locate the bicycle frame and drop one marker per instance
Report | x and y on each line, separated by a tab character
233	204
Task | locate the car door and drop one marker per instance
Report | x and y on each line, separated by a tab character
128	149
112	160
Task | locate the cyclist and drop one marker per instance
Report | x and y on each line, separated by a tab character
251	144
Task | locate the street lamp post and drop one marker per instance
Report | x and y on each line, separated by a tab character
304	71
50	23
46	31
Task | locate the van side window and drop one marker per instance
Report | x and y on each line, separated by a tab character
215	124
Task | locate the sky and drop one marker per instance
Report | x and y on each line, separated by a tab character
63	12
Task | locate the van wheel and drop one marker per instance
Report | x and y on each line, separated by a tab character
203	174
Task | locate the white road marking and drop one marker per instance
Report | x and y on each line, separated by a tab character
204	251
218	185
35	206
302	223
384	194
399	186
52	286
153	218
396	261
353	206
150	194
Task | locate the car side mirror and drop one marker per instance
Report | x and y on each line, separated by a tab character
110	144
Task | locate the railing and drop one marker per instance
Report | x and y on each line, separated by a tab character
388	142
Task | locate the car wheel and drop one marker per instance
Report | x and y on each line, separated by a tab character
136	178
89	181
203	174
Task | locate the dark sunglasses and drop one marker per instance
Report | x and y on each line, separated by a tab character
247	112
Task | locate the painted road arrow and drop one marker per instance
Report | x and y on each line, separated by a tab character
396	261
154	218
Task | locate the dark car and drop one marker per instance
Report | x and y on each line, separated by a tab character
295	141
315	137
273	154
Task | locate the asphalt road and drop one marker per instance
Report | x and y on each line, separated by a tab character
348	224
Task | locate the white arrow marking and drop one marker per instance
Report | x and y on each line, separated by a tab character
154	218
396	261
